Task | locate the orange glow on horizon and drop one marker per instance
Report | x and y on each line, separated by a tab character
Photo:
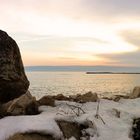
50	33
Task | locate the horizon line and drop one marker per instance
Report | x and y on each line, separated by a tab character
77	66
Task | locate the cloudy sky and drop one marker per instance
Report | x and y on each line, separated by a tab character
74	32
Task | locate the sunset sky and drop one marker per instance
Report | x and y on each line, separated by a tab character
74	32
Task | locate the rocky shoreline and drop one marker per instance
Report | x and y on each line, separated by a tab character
27	105
66	122
58	117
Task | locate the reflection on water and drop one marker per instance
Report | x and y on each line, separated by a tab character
67	83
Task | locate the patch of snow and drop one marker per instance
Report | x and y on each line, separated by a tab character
21	124
72	138
117	116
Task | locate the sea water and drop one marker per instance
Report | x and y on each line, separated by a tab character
72	83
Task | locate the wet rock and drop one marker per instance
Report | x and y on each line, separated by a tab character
13	81
31	136
135	93
24	105
47	100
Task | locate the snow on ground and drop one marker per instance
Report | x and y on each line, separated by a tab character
38	123
117	116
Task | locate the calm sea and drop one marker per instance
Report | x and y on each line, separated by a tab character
68	83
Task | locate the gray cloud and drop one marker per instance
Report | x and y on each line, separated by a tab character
131	59
17	16
114	7
77	9
132	37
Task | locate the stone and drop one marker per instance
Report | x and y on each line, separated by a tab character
135	131
47	100
50	100
61	97
135	93
31	136
13	81
75	129
70	129
73	97
24	105
116	98
87	97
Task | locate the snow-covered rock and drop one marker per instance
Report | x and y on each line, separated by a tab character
114	121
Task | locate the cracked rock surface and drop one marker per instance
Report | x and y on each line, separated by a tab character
13	81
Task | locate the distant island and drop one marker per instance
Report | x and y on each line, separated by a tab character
112	72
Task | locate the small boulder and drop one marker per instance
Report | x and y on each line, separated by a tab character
87	97
135	93
47	100
24	105
70	129
13	81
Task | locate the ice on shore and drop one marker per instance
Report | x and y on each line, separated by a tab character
115	122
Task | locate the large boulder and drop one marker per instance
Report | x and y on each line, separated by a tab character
135	93
13	81
24	105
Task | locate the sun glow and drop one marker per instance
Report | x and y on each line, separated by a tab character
52	34
80	40
96	48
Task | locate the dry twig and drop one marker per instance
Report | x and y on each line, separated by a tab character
97	115
76	109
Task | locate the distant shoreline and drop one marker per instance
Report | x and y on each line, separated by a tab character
112	72
114	69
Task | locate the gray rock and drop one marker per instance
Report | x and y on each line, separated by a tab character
70	129
87	97
24	105
13	81
61	97
47	100
135	93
